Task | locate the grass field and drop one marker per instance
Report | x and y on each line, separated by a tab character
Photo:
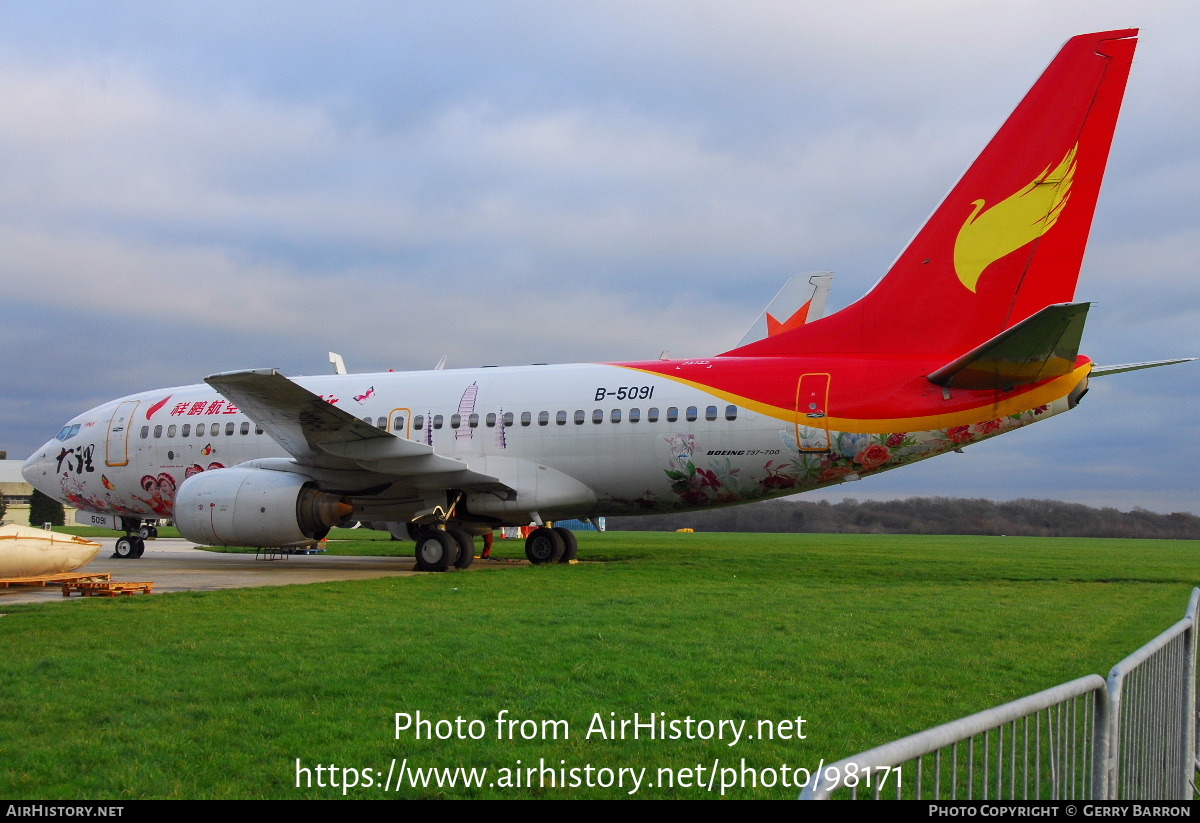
216	694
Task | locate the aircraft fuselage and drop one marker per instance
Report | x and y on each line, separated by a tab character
655	436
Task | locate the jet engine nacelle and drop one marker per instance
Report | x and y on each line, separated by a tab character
255	507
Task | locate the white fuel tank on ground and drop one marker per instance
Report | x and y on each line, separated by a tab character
29	552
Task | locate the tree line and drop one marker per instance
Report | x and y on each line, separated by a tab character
926	515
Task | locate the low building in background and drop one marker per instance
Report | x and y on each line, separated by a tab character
15	493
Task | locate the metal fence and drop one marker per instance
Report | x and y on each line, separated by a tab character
1152	694
1132	737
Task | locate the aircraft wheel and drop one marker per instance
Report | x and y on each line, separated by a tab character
570	544
436	551
466	548
419	534
417	538
139	547
154	532
544	546
125	547
145	532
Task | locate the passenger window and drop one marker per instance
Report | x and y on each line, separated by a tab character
419	422
710	413
214	429
580	416
158	431
229	428
615	416
473	421
561	418
651	415
731	412
171	430
490	420
455	421
672	414
145	432
245	428
186	431
398	424
543	418
508	418
526	418
258	430
635	415
598	416
692	414
381	422
437	421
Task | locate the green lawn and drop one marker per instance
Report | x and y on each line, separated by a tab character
868	638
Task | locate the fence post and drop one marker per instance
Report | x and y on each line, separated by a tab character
1104	728
1112	754
1190	700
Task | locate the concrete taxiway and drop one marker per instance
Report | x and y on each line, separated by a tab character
175	565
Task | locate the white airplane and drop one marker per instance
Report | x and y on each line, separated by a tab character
972	333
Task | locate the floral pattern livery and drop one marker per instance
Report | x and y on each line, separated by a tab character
693	482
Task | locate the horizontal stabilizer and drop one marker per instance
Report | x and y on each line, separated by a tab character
1042	346
1100	371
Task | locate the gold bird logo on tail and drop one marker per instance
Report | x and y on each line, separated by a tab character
1023	217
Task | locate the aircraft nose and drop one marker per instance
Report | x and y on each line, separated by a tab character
34	469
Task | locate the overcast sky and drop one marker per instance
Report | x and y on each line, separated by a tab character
194	187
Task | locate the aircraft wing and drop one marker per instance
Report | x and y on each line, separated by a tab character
318	434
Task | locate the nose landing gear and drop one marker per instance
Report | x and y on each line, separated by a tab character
129	547
133	544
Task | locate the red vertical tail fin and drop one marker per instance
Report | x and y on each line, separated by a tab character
1009	238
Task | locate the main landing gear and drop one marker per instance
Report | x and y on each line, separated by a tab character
438	550
551	545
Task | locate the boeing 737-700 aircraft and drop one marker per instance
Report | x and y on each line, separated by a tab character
972	333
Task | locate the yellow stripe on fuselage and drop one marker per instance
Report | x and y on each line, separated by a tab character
1041	395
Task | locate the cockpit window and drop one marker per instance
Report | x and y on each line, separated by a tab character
68	432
